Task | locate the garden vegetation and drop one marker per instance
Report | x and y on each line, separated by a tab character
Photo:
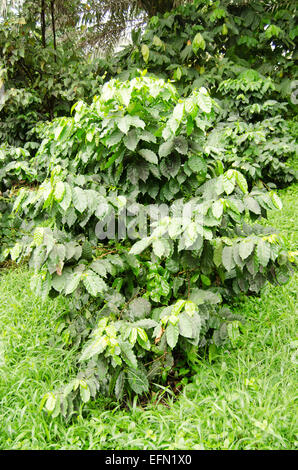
143	208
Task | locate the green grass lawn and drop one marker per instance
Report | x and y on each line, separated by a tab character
244	399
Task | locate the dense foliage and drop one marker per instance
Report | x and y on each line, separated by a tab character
146	205
138	298
244	54
15	170
40	80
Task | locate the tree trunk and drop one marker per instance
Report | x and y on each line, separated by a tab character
53	23
158	6
43	23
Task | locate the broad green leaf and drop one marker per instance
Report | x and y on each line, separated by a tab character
58	131
169	167
177	307
84	391
204	102
66	199
59	191
94	284
119	385
276	200
15	251
157	41
175	227
131	140
140	246
145	52
190	308
51	402
224	30
177	73
180	144
197	164
139	308
217	254
96	346
229	183
146	323
185	326
124	124
263	252
147	137
217	208
166	148
245	248
133	335
190	105
227	258
159	248
99	267
142	334
190	234
72	283
198	43
252	205
172	334
114	139
59	282
205	280
137	122
178	111
38	236
124	95
148	155
79	199
242	183
128	354
164	287
137	380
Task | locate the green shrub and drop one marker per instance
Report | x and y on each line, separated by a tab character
15	170
251	132
140	300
